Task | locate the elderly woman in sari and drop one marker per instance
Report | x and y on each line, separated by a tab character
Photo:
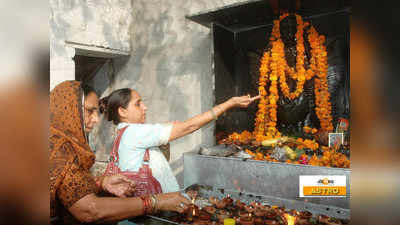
74	193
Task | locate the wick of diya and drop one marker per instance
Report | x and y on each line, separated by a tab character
290	219
194	209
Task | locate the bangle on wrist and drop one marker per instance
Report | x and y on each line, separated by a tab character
146	204
149	209
154	203
213	114
149	204
143	204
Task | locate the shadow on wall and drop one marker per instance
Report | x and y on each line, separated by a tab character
82	20
162	54
196	62
101	139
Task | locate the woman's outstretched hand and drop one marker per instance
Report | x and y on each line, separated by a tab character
243	101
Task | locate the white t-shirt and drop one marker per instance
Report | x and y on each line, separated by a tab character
134	142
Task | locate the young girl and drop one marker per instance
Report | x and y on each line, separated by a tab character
125	108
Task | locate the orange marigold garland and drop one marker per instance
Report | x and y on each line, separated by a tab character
309	130
260	121
274	68
243	138
299	73
322	96
307	143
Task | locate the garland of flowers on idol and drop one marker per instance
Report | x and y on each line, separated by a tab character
322	95
261	119
274	67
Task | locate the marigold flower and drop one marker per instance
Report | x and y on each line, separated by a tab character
274	67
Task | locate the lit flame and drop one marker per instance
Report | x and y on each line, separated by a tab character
228	195
194	212
290	219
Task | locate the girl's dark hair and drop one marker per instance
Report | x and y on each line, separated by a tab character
87	89
109	105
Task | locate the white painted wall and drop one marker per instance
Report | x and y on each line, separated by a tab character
169	63
103	24
170	66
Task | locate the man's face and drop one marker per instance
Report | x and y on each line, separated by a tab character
91	108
